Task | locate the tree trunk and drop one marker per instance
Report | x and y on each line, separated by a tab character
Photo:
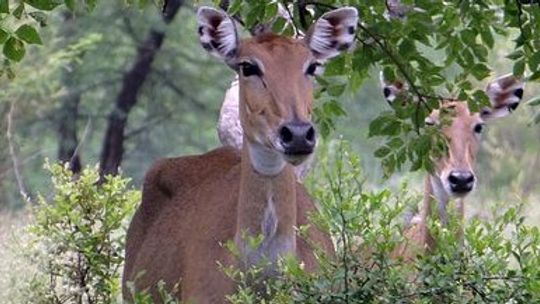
133	80
69	111
67	131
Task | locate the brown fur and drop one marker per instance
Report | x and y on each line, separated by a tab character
193	204
462	150
170	241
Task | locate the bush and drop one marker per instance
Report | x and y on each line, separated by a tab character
81	233
79	238
499	261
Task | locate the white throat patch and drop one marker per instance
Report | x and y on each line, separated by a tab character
442	197
265	161
270	220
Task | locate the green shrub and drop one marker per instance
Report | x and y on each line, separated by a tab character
81	231
79	238
499	261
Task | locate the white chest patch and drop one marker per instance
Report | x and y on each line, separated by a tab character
442	198
270	221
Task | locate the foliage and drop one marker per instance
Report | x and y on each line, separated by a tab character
176	109
20	21
489	267
81	231
439	48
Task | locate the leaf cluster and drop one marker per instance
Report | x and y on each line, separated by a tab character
497	261
81	231
440	49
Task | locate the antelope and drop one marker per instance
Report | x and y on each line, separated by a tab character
454	175
193	204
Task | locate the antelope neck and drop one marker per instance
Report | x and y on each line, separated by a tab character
267	207
435	193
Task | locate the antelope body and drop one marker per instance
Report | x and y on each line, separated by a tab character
454	175
191	205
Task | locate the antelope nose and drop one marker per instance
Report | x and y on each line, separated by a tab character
297	137
461	181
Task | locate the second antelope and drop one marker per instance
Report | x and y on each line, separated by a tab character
191	205
454	175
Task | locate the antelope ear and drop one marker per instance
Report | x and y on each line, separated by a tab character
217	33
332	33
392	89
505	94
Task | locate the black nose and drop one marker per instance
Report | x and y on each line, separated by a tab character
297	137
461	181
513	106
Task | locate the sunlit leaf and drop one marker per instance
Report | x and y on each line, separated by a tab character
14	49
28	34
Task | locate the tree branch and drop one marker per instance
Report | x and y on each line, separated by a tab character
13	155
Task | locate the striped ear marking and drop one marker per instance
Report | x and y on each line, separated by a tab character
392	89
217	33
333	33
505	94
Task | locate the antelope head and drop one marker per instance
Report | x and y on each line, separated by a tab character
275	81
454	174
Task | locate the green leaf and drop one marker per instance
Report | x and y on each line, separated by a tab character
270	11
534	77
28	34
4	6
468	37
3	36
519	68
17	13
389	74
535	101
336	90
382	152
534	61
45	5
515	55
14	49
481	98
279	25
480	71
487	37
235	7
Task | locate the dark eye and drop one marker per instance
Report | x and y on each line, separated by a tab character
479	128
250	69
312	68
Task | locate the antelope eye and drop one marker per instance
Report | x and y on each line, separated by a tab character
479	128
250	69
313	68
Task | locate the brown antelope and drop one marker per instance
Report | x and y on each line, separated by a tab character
191	205
454	174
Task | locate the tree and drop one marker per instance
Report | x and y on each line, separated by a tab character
113	144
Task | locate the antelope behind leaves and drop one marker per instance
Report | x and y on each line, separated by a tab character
454	176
